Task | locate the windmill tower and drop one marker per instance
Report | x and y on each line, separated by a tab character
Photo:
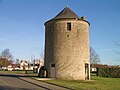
67	53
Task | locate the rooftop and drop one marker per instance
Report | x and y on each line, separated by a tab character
66	13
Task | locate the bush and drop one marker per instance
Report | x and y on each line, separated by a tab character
5	69
17	70
113	72
29	71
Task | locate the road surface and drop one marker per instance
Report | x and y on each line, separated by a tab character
17	82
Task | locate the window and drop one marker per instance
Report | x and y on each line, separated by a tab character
68	26
52	65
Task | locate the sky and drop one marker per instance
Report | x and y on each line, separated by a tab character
22	25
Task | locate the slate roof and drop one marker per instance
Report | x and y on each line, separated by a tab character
66	13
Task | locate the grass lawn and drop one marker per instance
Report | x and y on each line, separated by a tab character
12	72
96	83
29	73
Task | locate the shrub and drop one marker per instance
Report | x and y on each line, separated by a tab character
113	72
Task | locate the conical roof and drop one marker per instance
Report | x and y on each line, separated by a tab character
66	13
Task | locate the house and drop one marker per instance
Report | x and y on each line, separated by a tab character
10	67
24	65
37	65
95	66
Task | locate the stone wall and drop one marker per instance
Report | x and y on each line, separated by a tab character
67	49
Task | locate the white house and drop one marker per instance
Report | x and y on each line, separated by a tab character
24	65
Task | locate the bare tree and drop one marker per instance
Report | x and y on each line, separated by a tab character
6	58
17	62
42	55
6	54
4	62
94	57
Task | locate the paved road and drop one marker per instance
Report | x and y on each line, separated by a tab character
15	82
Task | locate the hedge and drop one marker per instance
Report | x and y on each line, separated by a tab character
108	72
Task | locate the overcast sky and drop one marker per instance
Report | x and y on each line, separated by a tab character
22	25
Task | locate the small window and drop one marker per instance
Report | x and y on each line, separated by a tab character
68	26
52	65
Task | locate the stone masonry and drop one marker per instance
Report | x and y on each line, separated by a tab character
67	50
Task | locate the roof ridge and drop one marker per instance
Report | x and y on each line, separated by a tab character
66	13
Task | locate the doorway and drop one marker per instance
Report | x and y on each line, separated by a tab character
52	71
86	71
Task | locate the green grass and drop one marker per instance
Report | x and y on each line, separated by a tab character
29	73
96	83
12	72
